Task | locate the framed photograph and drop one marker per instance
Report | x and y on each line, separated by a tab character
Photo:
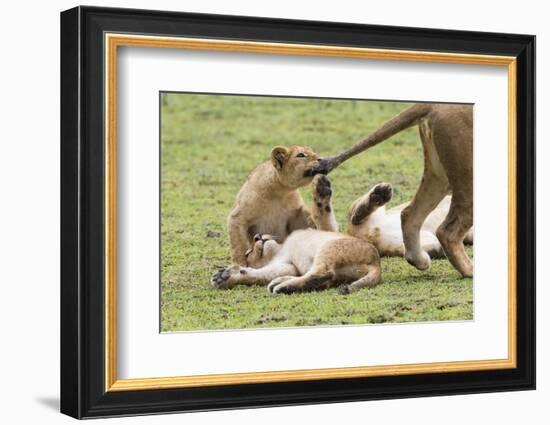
261	212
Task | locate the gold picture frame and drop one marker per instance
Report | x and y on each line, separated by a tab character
114	41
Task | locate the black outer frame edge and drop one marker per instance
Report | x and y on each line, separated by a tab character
70	348
526	207
290	28
82	391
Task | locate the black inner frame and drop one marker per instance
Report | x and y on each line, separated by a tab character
82	212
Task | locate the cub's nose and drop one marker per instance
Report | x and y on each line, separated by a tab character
257	237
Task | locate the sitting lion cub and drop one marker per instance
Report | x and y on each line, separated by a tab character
307	260
270	202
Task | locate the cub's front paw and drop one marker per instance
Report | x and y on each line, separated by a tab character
322	196
321	187
226	278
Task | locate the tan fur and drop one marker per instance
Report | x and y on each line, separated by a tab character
369	219
447	139
270	202
308	260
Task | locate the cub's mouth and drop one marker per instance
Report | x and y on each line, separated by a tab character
310	173
315	168
325	166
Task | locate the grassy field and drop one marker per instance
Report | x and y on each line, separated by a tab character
211	143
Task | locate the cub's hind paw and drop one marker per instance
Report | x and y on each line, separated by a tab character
277	281
381	194
344	290
284	286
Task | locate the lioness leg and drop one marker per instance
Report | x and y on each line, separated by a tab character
431	191
452	232
433	187
322	212
454	142
236	275
469	238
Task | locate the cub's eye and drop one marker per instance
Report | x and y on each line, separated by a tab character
301	155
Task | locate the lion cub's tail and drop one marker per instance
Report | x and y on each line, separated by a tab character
372	278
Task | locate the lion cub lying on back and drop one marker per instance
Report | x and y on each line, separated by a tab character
307	260
368	219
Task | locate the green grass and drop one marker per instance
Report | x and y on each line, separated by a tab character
211	143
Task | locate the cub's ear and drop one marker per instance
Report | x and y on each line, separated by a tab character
279	156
